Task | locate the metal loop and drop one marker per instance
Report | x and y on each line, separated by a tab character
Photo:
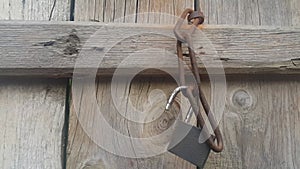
173	95
183	37
196	14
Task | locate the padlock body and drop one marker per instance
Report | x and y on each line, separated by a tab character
184	143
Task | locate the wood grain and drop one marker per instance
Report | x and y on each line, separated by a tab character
246	12
52	49
131	11
143	9
87	11
259	125
105	10
295	13
263	131
252	12
57	10
31	122
84	153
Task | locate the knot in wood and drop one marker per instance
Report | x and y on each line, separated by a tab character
242	99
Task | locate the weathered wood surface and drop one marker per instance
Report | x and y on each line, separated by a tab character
57	10
252	12
52	49
161	12
31	123
84	153
130	11
259	124
32	111
262	12
245	12
47	53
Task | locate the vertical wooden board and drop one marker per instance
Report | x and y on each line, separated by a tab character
228	12
260	125
99	11
83	152
246	12
251	12
61	10
109	10
131	11
181	5
275	13
210	11
58	10
82	11
91	10
155	10
114	11
31	122
295	4
164	12
188	4
11	9
203	5
103	10
143	10
168	12
119	11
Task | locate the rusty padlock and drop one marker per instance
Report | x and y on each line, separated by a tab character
185	139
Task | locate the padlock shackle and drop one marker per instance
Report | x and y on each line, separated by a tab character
188	116
173	96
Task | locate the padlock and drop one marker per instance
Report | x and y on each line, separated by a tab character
185	139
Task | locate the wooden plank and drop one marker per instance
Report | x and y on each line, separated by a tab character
143	10
161	12
109	8
249	12
105	10
88	11
51	49
57	10
31	122
155	10
259	124
295	13
246	12
133	10
84	152
118	11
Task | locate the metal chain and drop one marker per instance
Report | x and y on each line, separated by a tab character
195	93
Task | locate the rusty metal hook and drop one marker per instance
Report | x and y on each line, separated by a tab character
185	37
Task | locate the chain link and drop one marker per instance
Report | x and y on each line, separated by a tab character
194	93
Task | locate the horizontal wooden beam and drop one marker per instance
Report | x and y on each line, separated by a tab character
54	49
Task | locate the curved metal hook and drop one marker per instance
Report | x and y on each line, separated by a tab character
183	37
173	96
